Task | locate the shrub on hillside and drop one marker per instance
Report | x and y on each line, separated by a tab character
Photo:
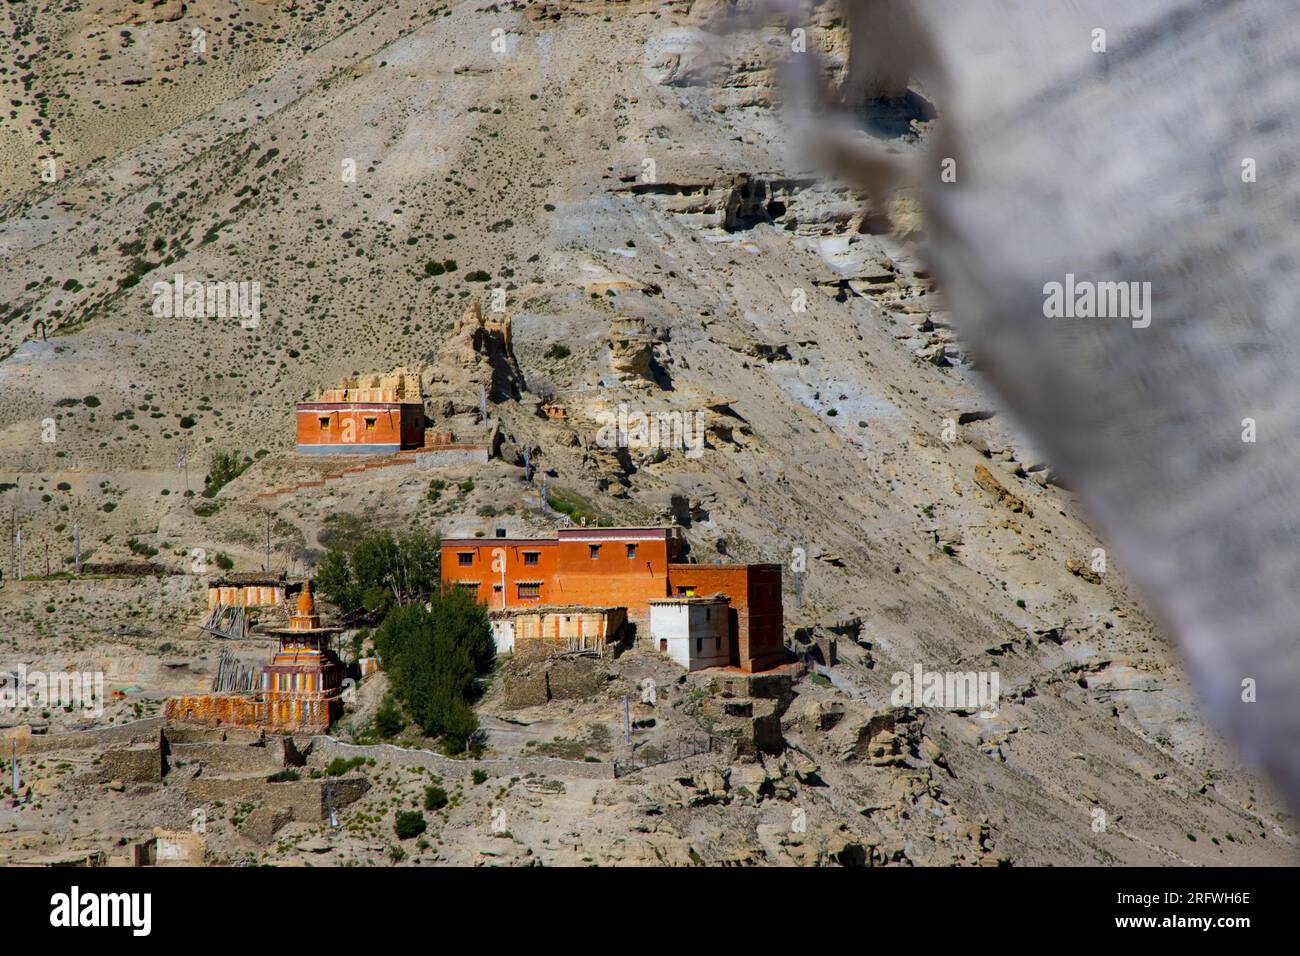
409	823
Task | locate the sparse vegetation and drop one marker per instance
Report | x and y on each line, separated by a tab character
223	468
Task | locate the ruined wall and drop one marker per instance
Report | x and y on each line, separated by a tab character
302	800
452	768
533	682
453	455
141	731
132	765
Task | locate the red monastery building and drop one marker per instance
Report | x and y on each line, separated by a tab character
620	567
369	414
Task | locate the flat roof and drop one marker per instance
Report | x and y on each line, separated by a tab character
570	534
693	599
479	542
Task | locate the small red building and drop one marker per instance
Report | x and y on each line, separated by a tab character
370	414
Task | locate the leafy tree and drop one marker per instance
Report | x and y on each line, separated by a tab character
368	576
223	468
433	655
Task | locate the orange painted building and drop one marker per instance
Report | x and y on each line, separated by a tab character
757	616
605	567
619	567
369	414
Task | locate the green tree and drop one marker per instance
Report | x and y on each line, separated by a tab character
388	719
223	468
433	656
367	576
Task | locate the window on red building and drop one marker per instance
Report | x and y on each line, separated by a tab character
464	558
595	551
530	589
631	551
532	557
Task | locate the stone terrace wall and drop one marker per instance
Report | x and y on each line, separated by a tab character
451	767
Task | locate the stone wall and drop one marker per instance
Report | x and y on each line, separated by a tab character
136	732
132	765
529	683
303	800
453	455
452	768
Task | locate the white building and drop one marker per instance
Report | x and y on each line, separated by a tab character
693	631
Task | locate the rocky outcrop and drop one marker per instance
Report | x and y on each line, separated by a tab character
984	478
480	352
631	350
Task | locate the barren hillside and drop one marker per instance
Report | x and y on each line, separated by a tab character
615	179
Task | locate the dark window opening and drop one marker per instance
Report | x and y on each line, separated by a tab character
532	557
465	558
595	551
631	551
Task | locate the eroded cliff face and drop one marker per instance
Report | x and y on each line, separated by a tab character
618	179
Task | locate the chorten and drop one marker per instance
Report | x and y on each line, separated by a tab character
305	676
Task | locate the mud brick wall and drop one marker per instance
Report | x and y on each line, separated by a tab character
561	678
